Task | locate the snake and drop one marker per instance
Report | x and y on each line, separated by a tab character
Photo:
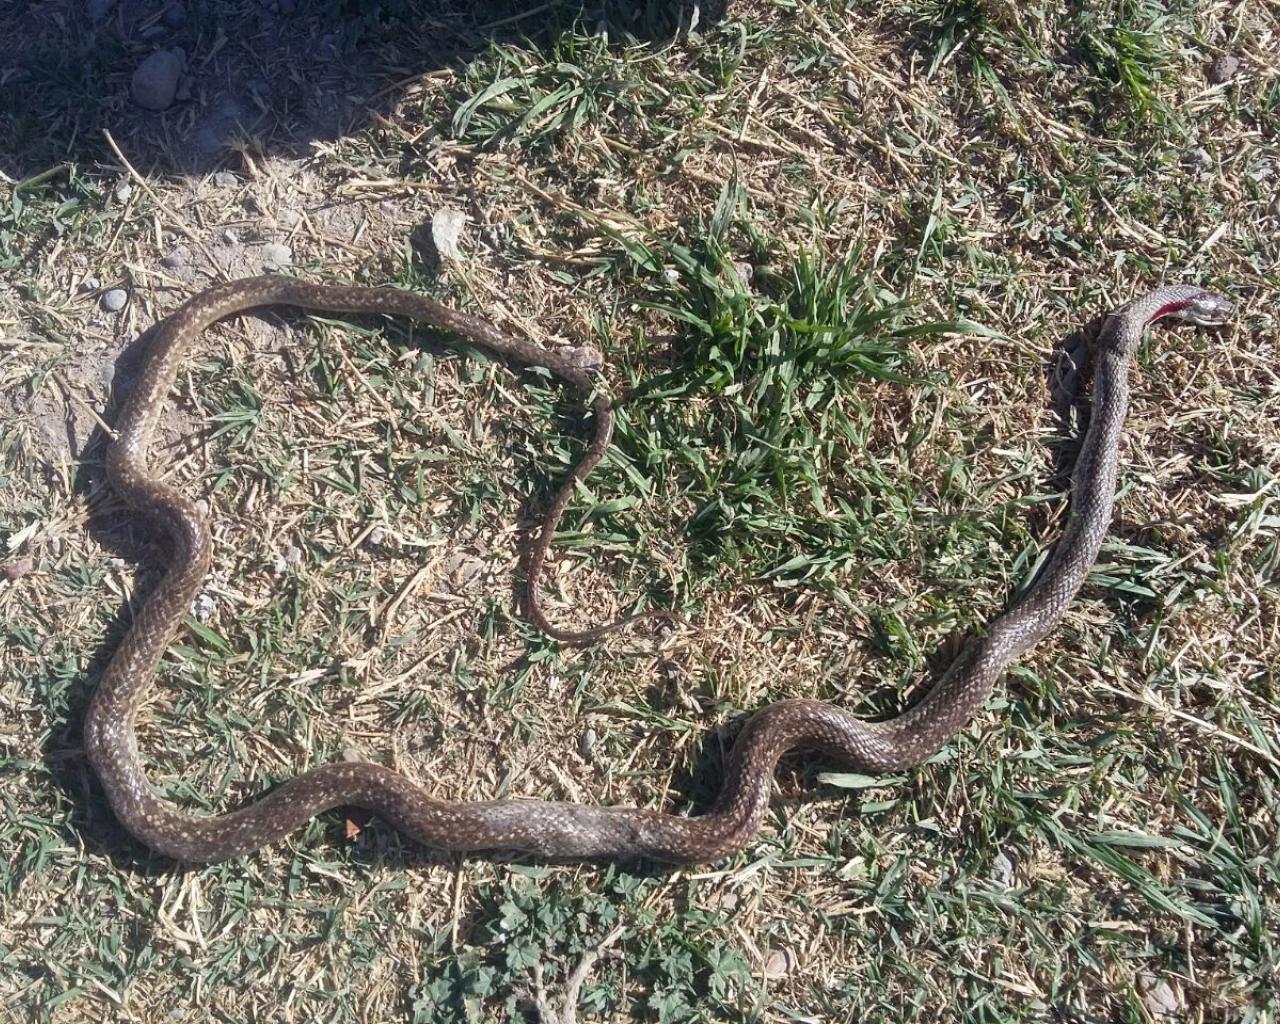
561	830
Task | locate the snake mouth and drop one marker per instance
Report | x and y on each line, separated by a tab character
1207	310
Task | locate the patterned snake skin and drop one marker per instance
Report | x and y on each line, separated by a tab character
553	829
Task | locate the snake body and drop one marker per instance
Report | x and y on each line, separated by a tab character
547	828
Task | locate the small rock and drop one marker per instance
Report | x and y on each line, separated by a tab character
1002	873
115	300
274	254
155	83
446	230
1198	159
17	569
462	568
1222	69
90	284
202	506
229	236
377	535
1158	996
778	963
587	741
288	560
744	270
670	275
224	179
123	191
175	258
175	16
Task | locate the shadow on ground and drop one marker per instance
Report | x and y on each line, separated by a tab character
262	77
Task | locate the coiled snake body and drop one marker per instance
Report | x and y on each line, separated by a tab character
557	829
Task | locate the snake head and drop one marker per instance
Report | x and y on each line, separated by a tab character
585	357
1204	309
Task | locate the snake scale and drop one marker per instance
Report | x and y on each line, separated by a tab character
558	829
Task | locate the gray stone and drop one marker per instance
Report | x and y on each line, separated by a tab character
155	82
1223	69
1158	996
275	254
115	300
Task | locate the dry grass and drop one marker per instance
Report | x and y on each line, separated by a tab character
1101	838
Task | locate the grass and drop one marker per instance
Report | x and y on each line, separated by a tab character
828	250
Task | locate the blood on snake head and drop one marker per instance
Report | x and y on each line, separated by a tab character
1208	309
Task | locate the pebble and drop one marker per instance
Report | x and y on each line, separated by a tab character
175	16
155	82
670	275
229	236
115	300
587	742
275	254
745	270
225	179
90	284
1223	69
377	535
462	568
17	569
446	230
1158	996
1198	159
286	561
1002	874
778	963
174	258
123	191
